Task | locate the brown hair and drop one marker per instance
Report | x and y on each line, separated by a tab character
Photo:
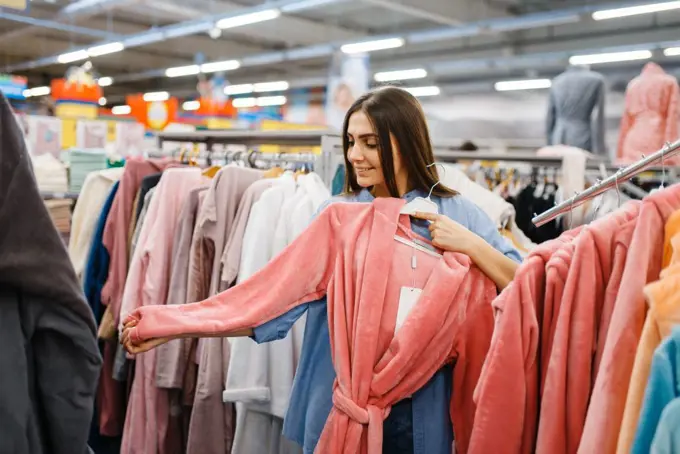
392	110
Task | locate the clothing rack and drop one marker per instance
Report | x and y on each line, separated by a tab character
621	176
49	195
324	163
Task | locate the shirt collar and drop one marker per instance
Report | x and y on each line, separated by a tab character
366	196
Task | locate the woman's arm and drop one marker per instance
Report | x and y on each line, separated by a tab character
493	263
450	236
153	343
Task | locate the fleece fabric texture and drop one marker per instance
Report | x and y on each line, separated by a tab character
570	371
427	423
375	368
509	383
50	361
662	389
663	297
643	264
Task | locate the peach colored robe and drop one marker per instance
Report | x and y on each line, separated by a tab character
342	253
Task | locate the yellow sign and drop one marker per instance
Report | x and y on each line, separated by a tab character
21	5
76	110
68	132
111	127
273	125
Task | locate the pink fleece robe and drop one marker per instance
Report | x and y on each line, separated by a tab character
507	392
650	117
344	253
643	264
570	373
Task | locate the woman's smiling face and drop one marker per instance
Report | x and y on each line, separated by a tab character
364	152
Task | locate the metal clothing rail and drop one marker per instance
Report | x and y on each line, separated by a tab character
50	195
247	138
622	175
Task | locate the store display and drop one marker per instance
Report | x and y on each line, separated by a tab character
576	110
44	135
651	114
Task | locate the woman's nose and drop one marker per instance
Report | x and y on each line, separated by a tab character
355	154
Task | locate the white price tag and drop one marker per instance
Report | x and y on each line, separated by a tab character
408	297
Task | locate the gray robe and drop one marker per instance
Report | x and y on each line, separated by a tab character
576	110
49	359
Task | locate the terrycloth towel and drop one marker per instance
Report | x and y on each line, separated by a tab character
344	253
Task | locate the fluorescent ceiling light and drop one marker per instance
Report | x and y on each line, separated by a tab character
424	91
105	49
305	4
158	96
37	91
528	84
105	81
70	57
102	101
238	89
261	87
405	74
227	65
271	101
672	51
121	110
635	10
240	103
191	105
180	71
247	19
370	46
611	57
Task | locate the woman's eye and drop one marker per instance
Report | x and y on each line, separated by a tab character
371	145
350	143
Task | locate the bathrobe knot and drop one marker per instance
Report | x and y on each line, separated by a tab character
371	415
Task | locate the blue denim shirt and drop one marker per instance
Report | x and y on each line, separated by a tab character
311	396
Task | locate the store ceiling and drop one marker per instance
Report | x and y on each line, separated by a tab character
465	45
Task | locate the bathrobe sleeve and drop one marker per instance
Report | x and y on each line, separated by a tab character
278	328
269	293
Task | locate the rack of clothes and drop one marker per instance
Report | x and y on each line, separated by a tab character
668	151
583	353
170	231
524	184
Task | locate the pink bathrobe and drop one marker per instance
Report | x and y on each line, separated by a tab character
344	254
570	371
650	117
643	264
507	395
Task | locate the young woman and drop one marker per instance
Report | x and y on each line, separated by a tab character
388	154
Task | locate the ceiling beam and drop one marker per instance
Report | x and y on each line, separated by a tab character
54	25
67	14
187	28
413	11
441	34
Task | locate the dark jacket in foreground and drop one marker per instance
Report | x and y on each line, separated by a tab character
49	360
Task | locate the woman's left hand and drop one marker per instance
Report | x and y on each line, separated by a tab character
449	235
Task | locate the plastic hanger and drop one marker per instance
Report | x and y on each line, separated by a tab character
422	205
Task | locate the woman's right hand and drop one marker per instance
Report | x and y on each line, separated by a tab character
143	346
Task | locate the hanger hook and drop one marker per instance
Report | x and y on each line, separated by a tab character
438	180
666	147
616	184
571	210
